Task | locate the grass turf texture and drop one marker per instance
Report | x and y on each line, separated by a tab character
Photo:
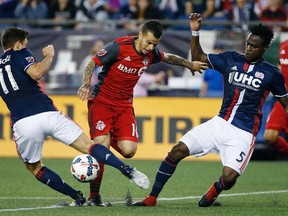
262	190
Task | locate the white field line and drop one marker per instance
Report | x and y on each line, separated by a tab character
163	199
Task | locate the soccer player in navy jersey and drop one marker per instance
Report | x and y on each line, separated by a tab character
34	116
110	107
248	79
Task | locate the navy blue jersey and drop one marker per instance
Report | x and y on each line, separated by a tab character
246	86
19	91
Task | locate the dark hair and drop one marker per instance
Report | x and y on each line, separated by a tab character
153	26
11	35
264	32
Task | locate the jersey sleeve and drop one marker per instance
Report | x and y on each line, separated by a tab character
218	61
26	59
277	85
158	56
107	54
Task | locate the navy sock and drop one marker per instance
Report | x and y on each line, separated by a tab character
53	180
105	156
220	185
165	171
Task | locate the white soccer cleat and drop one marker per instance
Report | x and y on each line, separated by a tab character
136	176
140	179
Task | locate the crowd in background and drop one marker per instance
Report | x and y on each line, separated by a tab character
81	11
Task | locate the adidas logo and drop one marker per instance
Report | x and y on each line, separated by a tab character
107	156
282	52
234	68
127	58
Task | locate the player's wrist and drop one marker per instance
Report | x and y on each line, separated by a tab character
195	33
86	85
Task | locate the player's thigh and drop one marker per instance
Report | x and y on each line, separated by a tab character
202	139
125	127
236	149
29	136
64	129
100	118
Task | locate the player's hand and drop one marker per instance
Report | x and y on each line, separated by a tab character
48	51
84	92
197	66
195	21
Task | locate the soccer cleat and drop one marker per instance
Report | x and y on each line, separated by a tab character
135	176
79	201
148	201
209	198
96	201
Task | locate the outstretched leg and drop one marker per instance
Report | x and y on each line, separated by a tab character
54	181
105	156
166	170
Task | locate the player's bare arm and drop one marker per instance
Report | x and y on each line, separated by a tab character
38	70
196	49
84	91
177	60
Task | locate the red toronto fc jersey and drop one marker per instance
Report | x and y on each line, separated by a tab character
123	65
283	60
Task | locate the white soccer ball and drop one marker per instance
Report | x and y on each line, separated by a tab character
84	168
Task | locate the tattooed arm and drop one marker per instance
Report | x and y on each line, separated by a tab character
84	91
192	65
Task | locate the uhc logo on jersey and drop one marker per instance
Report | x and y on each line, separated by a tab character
246	80
30	59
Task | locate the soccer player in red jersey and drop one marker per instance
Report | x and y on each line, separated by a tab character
110	107
248	80
277	121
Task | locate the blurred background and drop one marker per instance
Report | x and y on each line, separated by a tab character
168	100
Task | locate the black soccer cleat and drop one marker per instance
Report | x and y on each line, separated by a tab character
209	198
95	201
79	201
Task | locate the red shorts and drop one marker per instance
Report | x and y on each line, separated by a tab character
277	119
119	121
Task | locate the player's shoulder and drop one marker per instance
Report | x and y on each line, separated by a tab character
126	40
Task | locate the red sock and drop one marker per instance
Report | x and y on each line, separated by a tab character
96	184
281	145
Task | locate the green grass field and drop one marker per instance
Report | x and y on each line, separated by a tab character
262	190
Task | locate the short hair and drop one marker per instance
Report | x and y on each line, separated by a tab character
264	32
153	26
11	35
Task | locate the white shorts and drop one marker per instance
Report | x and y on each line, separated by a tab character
29	133
218	136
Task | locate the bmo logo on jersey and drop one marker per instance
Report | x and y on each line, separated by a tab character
246	80
125	69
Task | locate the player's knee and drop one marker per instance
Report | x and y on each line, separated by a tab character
270	136
270	139
33	168
128	155
179	151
